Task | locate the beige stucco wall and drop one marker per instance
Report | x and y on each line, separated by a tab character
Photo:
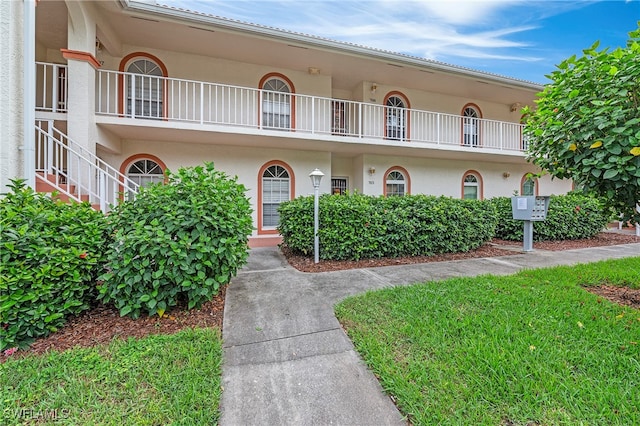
245	163
427	176
444	177
11	92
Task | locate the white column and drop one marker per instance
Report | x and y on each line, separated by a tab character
81	78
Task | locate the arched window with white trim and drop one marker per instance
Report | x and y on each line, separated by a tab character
471	116
144	89
396	118
275	189
276	104
529	185
472	186
396	182
145	171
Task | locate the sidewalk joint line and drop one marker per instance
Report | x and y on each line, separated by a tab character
378	277
281	338
282	268
503	262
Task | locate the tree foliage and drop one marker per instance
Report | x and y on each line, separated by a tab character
586	126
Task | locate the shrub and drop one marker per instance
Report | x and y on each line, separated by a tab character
177	243
356	226
570	217
50	255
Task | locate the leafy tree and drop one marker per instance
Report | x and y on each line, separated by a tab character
586	126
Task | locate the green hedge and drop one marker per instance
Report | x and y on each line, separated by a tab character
177	242
570	217
51	253
356	226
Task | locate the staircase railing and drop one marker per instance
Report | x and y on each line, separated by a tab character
74	171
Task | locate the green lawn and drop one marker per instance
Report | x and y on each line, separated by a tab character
533	348
158	380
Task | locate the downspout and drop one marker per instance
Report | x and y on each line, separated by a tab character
29	93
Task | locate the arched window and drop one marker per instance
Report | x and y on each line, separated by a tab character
396	182
529	185
472	185
396	117
144	86
144	169
277	102
275	186
471	116
144	172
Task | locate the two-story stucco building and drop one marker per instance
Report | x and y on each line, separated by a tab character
120	90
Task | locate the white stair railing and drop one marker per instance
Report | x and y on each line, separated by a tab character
76	172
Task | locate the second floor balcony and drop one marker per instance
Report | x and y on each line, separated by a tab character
145	97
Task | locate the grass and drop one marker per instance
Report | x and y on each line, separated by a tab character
160	379
533	348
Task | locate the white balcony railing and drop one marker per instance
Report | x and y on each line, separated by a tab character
51	87
150	97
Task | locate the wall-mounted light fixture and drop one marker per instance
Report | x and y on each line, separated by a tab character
374	87
98	45
314	70
515	107
506	175
372	171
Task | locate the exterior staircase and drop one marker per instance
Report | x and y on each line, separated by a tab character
69	172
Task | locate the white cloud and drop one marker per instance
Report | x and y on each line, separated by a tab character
463	12
451	31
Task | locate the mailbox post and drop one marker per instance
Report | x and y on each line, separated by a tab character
529	209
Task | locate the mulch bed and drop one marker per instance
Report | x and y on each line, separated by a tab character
103	323
494	248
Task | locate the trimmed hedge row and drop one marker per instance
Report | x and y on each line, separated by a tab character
356	226
570	217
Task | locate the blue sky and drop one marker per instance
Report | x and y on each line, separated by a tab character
515	38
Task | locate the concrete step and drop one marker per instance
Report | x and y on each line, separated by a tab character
48	184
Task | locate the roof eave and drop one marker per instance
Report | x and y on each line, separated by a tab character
319	42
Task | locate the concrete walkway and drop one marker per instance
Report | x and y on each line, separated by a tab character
286	359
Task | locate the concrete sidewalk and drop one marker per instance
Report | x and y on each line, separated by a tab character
286	359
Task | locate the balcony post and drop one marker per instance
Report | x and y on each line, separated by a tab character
313	114
360	123
54	86
132	85
201	102
260	107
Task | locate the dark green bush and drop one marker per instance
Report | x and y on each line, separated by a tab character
570	217
356	226
177	243
50	256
